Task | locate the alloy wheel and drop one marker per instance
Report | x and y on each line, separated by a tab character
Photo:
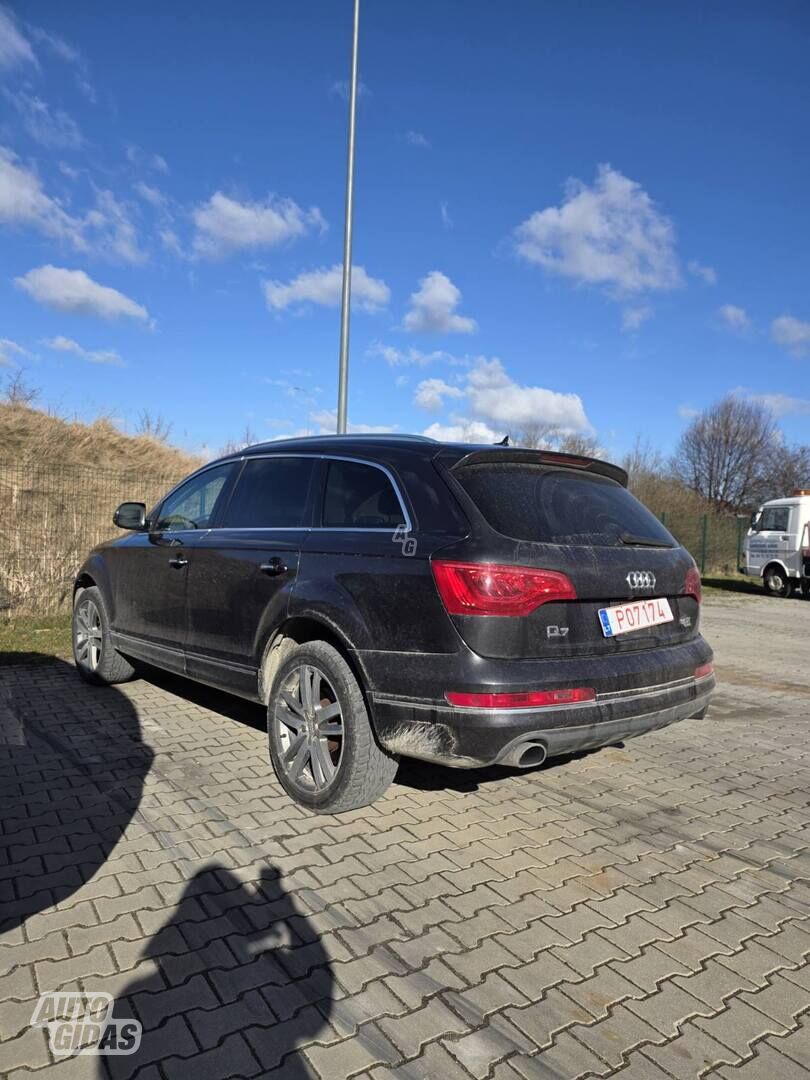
88	634
309	728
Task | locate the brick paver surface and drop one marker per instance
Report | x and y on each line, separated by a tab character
639	912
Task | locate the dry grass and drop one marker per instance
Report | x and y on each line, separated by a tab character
60	482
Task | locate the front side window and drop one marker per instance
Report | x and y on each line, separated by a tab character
192	505
271	493
775	519
360	497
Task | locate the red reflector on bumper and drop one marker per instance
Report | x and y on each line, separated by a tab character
704	670
533	699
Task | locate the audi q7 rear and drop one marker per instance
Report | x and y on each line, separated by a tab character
393	596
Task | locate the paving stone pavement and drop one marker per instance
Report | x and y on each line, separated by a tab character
640	912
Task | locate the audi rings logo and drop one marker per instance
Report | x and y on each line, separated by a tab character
641	579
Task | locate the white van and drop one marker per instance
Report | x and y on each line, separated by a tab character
777	545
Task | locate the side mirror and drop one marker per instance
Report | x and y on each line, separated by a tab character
130	515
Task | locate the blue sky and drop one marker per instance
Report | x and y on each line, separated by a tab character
582	214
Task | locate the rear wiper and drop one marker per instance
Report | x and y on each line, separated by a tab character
642	541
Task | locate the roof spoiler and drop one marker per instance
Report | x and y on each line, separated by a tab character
544	457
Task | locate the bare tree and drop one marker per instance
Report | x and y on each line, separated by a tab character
153	426
17	391
536	435
584	445
725	453
788	470
540	435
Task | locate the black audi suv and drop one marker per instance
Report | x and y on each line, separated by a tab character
391	596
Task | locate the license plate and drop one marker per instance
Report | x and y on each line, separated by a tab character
637	615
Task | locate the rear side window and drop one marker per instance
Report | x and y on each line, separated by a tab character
775	518
271	493
360	497
558	506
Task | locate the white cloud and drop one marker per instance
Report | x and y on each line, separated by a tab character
23	201
114	231
492	396
340	88
225	225
433	308
688	412
142	160
416	138
609	234
633	317
15	48
327	421
94	356
9	349
171	241
431	393
463	430
447	221
323	287
51	128
792	333
405	357
74	292
735	318
779	404
707	274
150	194
70	55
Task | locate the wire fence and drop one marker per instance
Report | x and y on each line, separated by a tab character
713	540
50	517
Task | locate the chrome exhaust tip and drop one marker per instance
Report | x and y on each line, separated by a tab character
526	755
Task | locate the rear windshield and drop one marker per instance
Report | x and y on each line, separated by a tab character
558	506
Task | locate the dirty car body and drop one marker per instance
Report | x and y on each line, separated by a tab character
465	586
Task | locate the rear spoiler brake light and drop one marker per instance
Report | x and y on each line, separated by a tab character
542	457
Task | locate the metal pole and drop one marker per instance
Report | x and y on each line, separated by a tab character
346	292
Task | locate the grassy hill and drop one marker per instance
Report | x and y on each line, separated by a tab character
60	481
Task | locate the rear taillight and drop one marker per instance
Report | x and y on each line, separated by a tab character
486	589
692	586
704	670
533	699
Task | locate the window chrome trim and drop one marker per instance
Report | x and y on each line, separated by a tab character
408	524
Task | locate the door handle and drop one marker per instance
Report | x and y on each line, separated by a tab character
178	562
784	537
273	568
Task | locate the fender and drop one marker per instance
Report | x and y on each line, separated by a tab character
778	562
95	567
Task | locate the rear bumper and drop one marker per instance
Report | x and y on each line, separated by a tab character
630	703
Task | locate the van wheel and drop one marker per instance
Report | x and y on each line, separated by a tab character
322	746
96	659
776	582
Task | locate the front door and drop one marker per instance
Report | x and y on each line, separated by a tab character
241	572
150	571
772	542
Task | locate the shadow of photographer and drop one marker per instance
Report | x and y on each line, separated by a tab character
239	974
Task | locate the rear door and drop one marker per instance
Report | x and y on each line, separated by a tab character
587	526
242	570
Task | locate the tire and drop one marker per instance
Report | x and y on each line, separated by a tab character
96	660
776	581
322	746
